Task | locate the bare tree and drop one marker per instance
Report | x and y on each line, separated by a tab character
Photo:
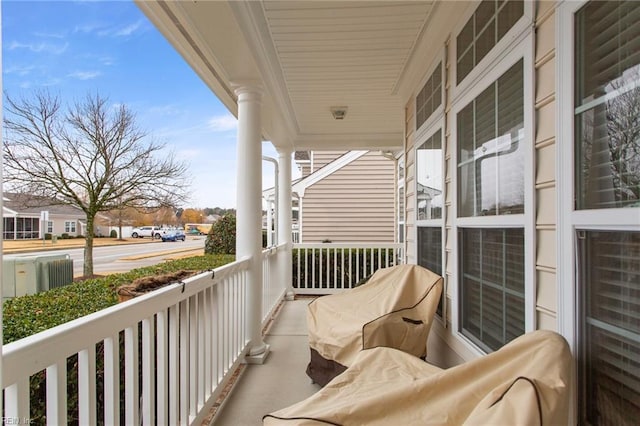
92	156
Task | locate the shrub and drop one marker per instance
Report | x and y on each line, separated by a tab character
64	236
221	238
113	233
47	236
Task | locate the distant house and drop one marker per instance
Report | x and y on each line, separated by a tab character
26	217
343	196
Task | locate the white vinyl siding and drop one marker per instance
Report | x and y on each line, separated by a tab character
354	204
319	159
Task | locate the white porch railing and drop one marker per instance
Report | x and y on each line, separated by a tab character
326	268
273	289
176	346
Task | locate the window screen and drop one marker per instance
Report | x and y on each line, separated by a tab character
607	105
492	285
609	283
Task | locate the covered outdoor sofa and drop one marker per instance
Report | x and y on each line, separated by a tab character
395	308
526	382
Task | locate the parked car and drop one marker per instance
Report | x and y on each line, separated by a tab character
174	235
147	231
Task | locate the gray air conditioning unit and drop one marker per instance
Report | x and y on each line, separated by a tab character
22	275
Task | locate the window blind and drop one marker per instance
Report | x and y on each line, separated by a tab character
609	280
492	271
607	105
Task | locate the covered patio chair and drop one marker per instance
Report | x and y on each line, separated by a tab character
395	308
526	382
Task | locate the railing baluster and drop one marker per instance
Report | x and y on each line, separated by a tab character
131	400
16	400
57	393
148	372
205	345
193	374
342	269
87	386
162	362
174	364
184	361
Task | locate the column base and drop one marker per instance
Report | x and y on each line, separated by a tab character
289	296
258	358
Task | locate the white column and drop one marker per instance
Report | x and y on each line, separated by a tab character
284	219
249	210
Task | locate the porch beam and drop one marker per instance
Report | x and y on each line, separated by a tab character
249	210
284	219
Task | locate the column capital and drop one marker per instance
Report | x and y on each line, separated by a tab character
247	89
284	152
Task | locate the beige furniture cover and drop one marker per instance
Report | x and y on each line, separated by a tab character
527	382
395	308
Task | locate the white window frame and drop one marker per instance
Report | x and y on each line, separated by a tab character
569	219
478	74
524	50
68	224
49	229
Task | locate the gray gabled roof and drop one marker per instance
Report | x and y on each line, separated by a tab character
26	204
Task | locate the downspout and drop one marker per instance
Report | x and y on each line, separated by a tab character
274	239
390	156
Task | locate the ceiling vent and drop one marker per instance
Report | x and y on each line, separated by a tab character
339	112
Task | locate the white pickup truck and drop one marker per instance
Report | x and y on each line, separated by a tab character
147	231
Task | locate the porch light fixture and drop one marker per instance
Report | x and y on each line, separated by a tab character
339	112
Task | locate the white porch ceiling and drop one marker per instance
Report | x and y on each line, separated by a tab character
309	56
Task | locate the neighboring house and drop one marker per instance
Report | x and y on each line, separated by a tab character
344	197
26	217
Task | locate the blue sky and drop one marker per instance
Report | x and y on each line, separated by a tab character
73	48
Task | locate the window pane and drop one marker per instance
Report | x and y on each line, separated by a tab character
492	303
607	132
466	163
430	252
609	282
490	22
490	158
485	41
508	16
429	178
429	99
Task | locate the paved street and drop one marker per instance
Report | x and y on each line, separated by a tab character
124	257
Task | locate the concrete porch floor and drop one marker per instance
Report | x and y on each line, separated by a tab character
281	380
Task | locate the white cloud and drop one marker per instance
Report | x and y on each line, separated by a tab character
84	75
54	49
50	35
115	31
128	30
19	70
223	123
